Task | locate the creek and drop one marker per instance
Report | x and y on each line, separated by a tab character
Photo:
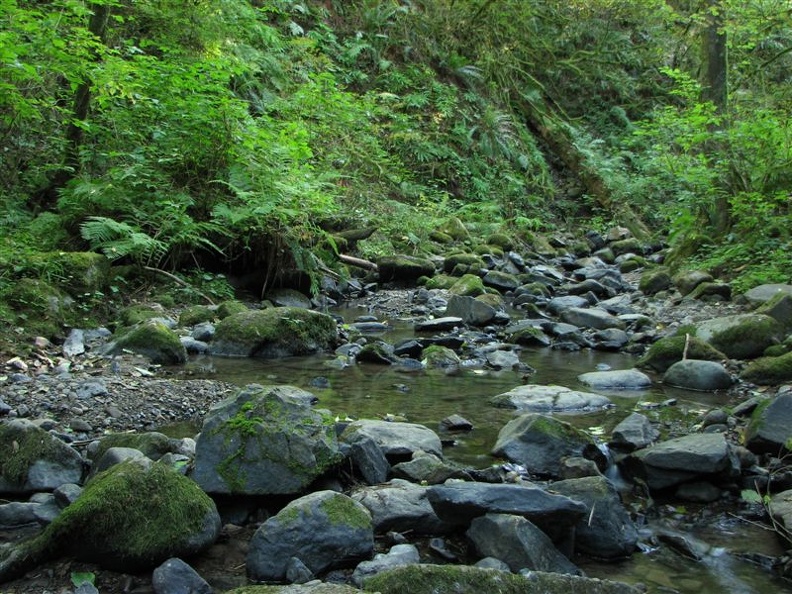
367	390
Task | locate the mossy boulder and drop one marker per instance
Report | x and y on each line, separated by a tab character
626	246
667	351
465	579
500	281
501	240
654	280
77	272
129	518
742	336
229	308
152	339
440	281
437	356
324	530
273	333
688	280
196	314
264	440
462	261
43	308
715	291
468	285
34	460
769	370
402	268
779	308
770	429
137	314
151	444
456	229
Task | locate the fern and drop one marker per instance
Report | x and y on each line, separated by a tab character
118	240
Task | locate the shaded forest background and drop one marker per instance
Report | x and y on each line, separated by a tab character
216	137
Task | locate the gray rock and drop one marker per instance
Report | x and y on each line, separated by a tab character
398	441
518	543
472	311
684	459
67	494
401	506
688	280
177	577
203	332
298	572
324	530
368	458
284	297
439	324
35	460
611	339
492	563
404	268
633	433
427	469
698	492
74	344
460	502
264	440
770	427
195	347
696	374
502	281
539	442
558	305
501	359
456	423
741	336
545	399
764	293
599	319
116	455
780	309
654	280
606	531
91	389
153	339
17	513
398	556
780	509
617	379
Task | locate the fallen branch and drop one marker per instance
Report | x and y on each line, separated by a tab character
179	281
359	262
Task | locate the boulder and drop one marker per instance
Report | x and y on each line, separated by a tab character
780	509
284	297
472	311
548	399
530	336
517	542
633	433
770	428
439	357
668	350
273	333
398	556
595	318
264	440
367	458
780	309
539	443
699	456
439	324
688	280
176	577
742	336
398	441
606	531
462	579
558	305
468	285
152	339
401	506
427	469
769	370
617	379
34	460
324	530
402	268
611	339
695	374
654	280
501	281
764	293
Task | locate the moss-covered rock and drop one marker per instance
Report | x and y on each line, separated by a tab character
402	268
779	308
152	339
439	281
137	314
711	291
309	588
77	272
626	246
229	308
440	237
196	314
468	285
437	356
654	280
152	444
274	332
501	240
740	337
667	351
631	264
462	579
769	370
456	229
687	280
461	261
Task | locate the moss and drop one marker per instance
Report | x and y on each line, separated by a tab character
491	299
655	280
501	240
667	351
196	314
469	285
24	446
153	445
229	308
341	510
739	340
493	250
323	588
439	356
632	264
440	281
465	259
441	237
769	370
154	340
626	246
137	314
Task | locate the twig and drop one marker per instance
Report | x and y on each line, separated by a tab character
687	344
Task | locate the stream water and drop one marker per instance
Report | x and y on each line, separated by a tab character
427	396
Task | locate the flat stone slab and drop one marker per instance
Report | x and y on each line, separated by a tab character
396	439
538	398
618	379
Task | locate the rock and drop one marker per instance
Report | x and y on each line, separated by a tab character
74	344
742	336
152	339
196	314
769	370
598	319
667	351
15	514
472	311
398	441
229	308
458	503
152	444
461	579
35	460
273	333
398	556
633	433
439	324
654	280
780	509
283	297
764	293
264	440
468	285
530	336
368	458
712	291
698	492
611	339
617	379
558	305
427	469
176	577
324	530
378	352
401	506
770	428
539	442
606	531
312	587
501	281
113	456
545	399
695	374
404	268
688	280
518	543
684	459
780	309
502	359
439	357
456	423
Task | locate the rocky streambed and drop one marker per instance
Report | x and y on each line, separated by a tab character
276	489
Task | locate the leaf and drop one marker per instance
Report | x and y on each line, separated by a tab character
78	578
751	496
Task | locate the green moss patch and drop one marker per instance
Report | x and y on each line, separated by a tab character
769	370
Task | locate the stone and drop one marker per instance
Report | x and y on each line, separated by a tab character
264	440
398	556
501	281
742	336
151	338
546	399
273	333
539	442
439	324
558	305
617	379
695	374
780	509
502	359
18	513
284	297
764	293
668	350
611	339
427	469
324	530
517	542
400	506
769	370
780	309
770	429
688	280
468	285
606	531
595	318
175	576
368	459
456	423
654	280
402	268
633	433
113	456
473	312
398	441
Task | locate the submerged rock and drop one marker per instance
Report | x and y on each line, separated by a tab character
617	379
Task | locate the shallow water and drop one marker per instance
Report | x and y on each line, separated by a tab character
427	396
